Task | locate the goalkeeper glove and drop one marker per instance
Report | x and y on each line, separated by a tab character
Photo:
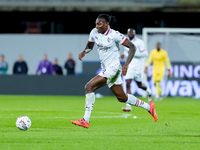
169	73
145	69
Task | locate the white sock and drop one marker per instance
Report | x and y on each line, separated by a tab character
132	100
128	105
148	90
89	102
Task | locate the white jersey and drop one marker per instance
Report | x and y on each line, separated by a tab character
108	46
136	66
108	49
140	54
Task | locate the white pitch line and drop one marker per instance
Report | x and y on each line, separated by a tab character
116	115
57	110
47	110
121	116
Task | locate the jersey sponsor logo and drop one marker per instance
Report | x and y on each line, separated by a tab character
103	48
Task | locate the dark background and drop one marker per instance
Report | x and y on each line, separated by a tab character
77	22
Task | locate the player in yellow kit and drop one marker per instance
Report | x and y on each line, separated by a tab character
159	57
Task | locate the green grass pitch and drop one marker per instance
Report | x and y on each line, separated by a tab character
177	128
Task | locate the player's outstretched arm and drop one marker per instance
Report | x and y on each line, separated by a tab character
131	54
148	62
87	49
168	65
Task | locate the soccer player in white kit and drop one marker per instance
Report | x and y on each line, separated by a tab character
136	67
107	41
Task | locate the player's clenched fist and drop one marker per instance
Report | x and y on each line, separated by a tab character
81	55
124	69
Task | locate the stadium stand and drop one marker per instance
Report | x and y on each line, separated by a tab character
84	5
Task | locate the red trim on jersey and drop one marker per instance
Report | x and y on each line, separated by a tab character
124	41
91	42
107	31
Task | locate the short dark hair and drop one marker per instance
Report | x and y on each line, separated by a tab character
110	19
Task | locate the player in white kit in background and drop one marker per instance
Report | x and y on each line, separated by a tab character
136	67
107	41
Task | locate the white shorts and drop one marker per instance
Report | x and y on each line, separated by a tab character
134	74
113	75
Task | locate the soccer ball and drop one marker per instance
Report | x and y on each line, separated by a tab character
23	123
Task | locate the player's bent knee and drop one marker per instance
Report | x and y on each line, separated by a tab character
128	86
88	88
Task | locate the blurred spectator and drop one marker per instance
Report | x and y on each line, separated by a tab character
3	65
45	67
70	65
57	68
20	66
